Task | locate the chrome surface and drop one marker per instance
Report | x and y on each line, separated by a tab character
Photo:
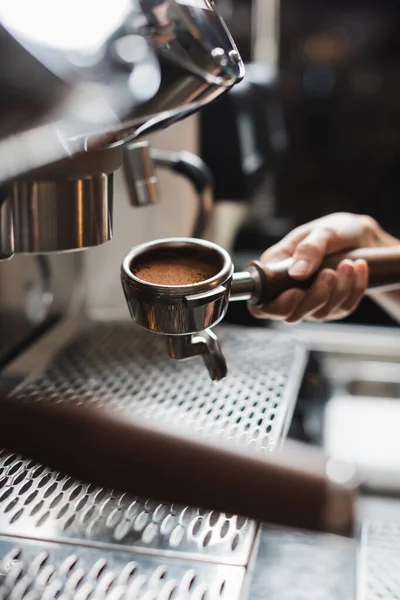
242	286
126	368
86	76
115	366
140	176
36	502
187	309
204	344
139	173
300	566
361	365
364	392
379	561
39	296
378	389
59	215
339	340
46	571
6	228
178	310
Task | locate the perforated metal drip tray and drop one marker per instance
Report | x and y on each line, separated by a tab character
379	561
120	367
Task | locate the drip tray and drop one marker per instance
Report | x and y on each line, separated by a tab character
49	519
379	564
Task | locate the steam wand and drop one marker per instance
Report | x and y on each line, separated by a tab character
139	168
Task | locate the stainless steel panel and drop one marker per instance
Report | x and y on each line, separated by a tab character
38	503
126	369
379	564
301	566
46	571
123	368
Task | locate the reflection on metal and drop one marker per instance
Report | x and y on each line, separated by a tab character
184	309
148	66
188	310
39	294
7	245
49	570
204	344
140	162
139	173
59	215
298	566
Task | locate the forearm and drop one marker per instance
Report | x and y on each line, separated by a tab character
390	302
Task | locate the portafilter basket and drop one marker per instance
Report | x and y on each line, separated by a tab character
186	312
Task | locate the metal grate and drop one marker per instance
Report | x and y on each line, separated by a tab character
36	502
126	369
379	568
46	571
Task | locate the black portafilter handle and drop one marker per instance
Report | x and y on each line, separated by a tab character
263	283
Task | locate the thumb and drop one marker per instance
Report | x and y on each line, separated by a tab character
309	253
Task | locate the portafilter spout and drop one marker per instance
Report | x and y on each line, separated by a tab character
204	344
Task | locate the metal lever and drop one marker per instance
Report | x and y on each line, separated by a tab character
204	344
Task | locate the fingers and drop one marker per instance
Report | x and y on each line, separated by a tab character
294	305
310	251
344	287
281	308
351	287
333	295
318	296
359	286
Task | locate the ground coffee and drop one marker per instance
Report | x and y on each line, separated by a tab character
174	271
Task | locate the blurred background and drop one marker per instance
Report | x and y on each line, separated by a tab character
314	128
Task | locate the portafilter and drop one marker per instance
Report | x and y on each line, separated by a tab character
181	288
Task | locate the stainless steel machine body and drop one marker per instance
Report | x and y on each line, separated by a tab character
144	66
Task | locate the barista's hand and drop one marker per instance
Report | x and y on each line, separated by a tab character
334	294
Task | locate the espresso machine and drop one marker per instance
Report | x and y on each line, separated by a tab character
128	473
